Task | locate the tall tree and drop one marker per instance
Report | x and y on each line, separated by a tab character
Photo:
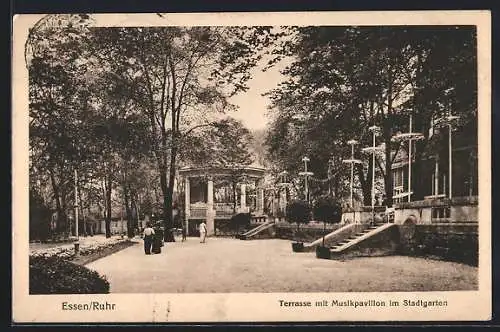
175	77
346	79
58	105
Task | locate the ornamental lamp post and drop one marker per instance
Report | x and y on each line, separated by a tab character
449	120
77	242
373	150
306	174
352	161
409	137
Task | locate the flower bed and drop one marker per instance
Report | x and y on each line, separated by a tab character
88	247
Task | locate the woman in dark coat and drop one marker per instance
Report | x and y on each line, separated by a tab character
158	239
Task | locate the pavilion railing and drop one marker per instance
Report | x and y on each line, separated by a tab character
224	209
198	211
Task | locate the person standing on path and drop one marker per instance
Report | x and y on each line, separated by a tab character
148	238
184	232
203	231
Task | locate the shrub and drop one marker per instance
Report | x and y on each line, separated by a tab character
299	212
54	275
240	220
327	210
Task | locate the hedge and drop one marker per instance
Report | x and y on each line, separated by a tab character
54	275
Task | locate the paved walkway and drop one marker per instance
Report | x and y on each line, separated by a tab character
230	265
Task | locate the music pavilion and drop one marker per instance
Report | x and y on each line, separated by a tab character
215	193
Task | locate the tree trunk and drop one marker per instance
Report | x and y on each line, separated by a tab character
387	135
168	199
167	202
388	183
92	223
108	206
418	184
167	215
365	184
128	211
67	226
81	212
135	211
57	197
324	231
422	123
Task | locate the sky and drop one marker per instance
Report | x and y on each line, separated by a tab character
252	105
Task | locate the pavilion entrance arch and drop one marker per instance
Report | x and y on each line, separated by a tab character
216	193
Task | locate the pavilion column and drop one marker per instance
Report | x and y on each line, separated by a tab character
243	198
283	199
275	202
260	197
210	207
187	203
436	176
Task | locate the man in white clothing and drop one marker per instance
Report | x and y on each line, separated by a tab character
203	231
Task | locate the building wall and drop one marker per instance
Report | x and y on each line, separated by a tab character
456	210
117	226
362	215
452	242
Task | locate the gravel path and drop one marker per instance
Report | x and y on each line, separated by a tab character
229	265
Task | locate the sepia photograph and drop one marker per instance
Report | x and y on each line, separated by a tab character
227	160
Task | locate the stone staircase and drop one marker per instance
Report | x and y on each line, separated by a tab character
333	237
347	231
254	232
373	240
339	245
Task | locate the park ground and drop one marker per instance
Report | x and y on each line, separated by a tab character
228	265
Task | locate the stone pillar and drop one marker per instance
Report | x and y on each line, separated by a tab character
243	198
210	207
260	197
187	203
283	202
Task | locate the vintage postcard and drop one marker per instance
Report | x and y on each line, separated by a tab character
252	167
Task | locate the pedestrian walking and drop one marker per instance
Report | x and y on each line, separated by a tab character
149	234
184	232
203	231
157	244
